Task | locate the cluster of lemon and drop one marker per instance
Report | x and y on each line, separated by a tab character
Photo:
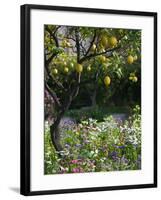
130	60
78	68
133	77
104	43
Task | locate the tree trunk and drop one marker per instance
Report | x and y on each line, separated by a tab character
55	134
54	128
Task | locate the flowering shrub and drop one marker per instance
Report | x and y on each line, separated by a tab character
93	146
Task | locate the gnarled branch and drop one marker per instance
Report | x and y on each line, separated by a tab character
53	95
77	44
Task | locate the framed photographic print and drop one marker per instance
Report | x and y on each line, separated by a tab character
88	99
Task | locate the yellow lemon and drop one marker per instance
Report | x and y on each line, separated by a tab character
107	80
104	41
93	48
71	65
55	71
135	79
79	68
130	78
66	70
102	58
130	59
112	41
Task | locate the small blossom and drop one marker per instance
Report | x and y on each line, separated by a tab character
67	145
78	145
75	170
74	161
119	146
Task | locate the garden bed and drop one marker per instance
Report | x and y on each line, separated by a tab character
92	146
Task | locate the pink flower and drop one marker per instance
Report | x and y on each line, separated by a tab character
74	161
77	170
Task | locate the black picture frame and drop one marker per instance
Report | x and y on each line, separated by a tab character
25	99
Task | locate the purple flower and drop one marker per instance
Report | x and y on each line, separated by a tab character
114	155
119	146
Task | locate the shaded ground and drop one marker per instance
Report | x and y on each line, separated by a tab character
120	117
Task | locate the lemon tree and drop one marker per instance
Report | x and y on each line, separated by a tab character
99	60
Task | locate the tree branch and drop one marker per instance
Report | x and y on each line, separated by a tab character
54	35
83	50
47	62
91	43
70	38
77	44
75	93
53	95
53	79
97	54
